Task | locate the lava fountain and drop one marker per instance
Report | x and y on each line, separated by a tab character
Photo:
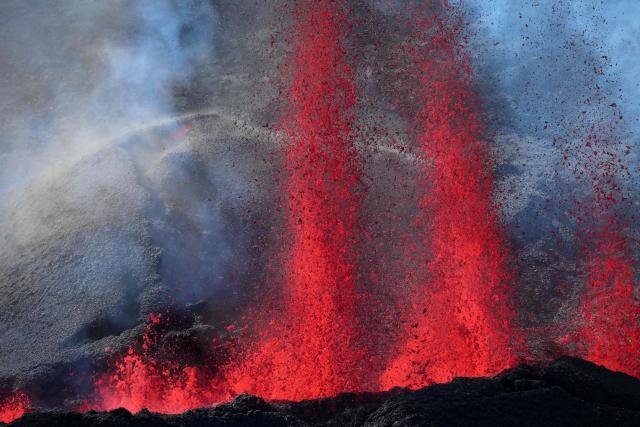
461	323
609	331
303	332
307	344
150	375
305	337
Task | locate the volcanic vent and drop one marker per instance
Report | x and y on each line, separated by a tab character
344	204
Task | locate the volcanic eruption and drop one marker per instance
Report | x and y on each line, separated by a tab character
307	344
461	323
14	406
313	216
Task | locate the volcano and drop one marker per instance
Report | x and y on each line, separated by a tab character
318	212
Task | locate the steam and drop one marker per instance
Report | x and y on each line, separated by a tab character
556	68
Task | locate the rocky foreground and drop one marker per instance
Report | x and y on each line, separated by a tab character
566	392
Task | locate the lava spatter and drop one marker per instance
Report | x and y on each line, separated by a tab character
608	319
307	345
14	406
460	323
146	377
610	329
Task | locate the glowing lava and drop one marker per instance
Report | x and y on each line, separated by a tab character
304	340
609	332
304	337
610	329
460	323
13	407
307	345
141	379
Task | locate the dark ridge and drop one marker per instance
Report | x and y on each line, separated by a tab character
566	392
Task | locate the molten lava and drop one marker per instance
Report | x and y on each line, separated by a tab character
461	321
140	379
308	335
13	407
610	329
609	332
305	340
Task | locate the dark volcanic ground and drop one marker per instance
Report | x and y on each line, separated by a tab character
565	393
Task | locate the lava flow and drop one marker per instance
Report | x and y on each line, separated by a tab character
461	322
307	345
13	407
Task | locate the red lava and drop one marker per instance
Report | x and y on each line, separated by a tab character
13	407
307	337
307	344
609	330
140	379
460	323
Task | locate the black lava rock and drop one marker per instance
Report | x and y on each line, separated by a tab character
567	392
